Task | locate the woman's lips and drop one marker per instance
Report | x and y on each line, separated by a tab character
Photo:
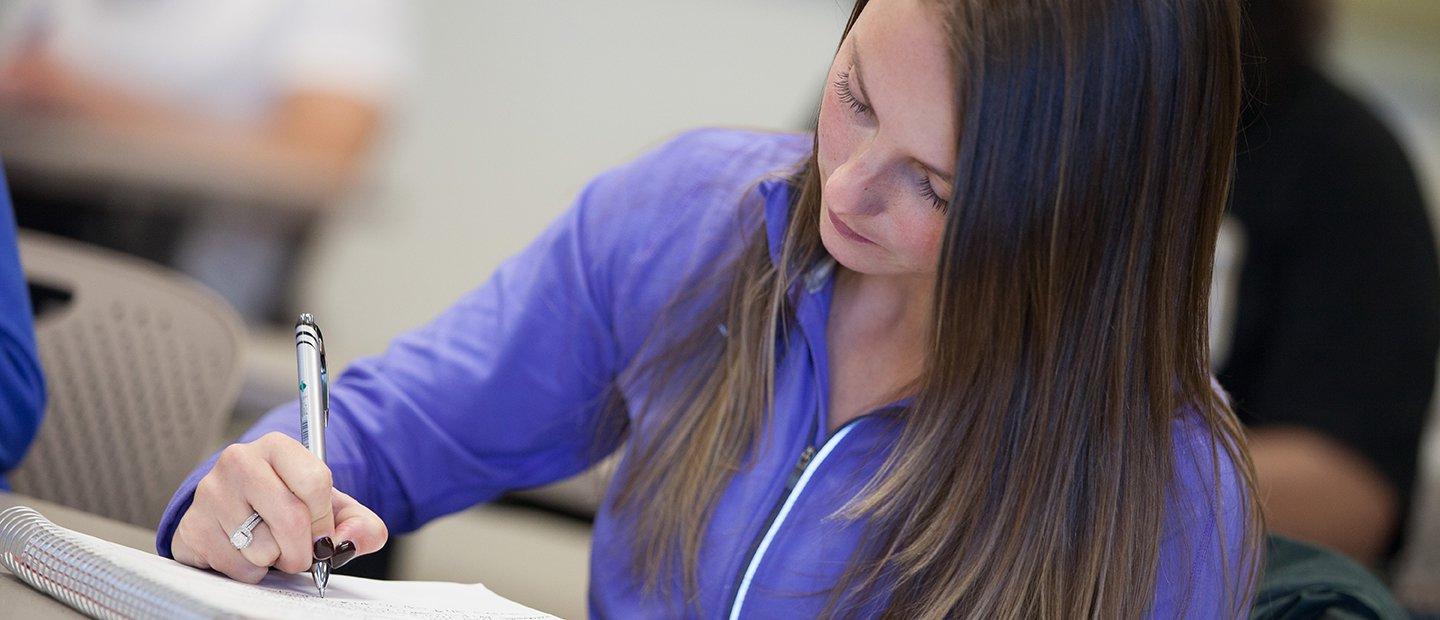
846	231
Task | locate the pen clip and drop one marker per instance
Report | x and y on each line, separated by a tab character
306	326
307	331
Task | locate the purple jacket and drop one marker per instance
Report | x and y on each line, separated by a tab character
500	392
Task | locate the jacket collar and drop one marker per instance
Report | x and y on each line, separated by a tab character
776	193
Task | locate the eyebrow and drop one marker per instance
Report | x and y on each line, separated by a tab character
860	83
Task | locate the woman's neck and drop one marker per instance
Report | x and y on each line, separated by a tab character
884	305
876	339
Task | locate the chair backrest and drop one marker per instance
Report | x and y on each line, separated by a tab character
142	366
1302	581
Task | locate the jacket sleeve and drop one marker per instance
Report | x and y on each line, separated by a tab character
499	392
22	386
503	390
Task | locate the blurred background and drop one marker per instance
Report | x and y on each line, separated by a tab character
370	161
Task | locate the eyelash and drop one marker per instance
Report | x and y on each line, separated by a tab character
842	90
927	190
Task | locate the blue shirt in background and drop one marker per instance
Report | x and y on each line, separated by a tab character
22	386
502	390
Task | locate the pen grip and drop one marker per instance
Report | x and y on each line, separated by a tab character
312	396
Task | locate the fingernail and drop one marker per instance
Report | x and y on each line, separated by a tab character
324	548
343	554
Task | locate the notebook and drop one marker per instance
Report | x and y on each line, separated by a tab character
105	580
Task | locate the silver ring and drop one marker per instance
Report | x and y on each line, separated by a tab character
243	535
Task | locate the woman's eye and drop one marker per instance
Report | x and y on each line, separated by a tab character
927	191
842	90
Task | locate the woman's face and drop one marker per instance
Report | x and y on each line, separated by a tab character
887	141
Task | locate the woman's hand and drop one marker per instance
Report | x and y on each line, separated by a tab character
291	489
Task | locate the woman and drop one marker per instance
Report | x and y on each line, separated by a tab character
946	357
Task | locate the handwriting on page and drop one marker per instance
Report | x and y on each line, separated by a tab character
287	603
281	595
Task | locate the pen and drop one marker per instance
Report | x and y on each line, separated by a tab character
314	408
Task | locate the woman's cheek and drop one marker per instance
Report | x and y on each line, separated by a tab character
834	134
922	238
935	237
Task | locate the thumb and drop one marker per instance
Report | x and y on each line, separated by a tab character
358	524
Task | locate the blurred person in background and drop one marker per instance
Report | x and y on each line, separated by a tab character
302	83
22	386
1332	354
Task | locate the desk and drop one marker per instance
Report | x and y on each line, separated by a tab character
78	157
22	601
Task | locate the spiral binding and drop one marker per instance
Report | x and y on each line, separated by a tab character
52	560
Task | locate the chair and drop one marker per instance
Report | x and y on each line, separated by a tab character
142	368
1302	581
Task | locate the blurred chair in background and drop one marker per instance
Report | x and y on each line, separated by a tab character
143	366
208	136
1301	582
22	385
1332	350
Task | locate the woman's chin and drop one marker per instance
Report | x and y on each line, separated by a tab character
852	255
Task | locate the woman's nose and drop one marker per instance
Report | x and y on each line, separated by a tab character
856	186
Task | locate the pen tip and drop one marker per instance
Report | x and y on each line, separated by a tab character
320	571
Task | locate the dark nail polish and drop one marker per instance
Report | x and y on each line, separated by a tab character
324	548
343	554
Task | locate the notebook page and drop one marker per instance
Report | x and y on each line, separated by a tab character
282	595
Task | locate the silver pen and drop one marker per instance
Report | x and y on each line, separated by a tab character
314	407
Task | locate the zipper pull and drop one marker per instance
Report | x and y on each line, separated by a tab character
805	457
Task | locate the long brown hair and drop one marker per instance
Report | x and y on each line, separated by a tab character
1069	329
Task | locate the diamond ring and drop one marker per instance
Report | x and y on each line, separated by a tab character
242	536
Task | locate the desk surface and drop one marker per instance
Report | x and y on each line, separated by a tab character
22	601
75	156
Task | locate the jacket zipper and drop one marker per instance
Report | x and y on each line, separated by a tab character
810	459
795	473
805	456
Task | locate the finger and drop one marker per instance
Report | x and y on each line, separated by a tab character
251	484
343	554
181	548
209	538
307	477
287	518
358	524
262	550
224	557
